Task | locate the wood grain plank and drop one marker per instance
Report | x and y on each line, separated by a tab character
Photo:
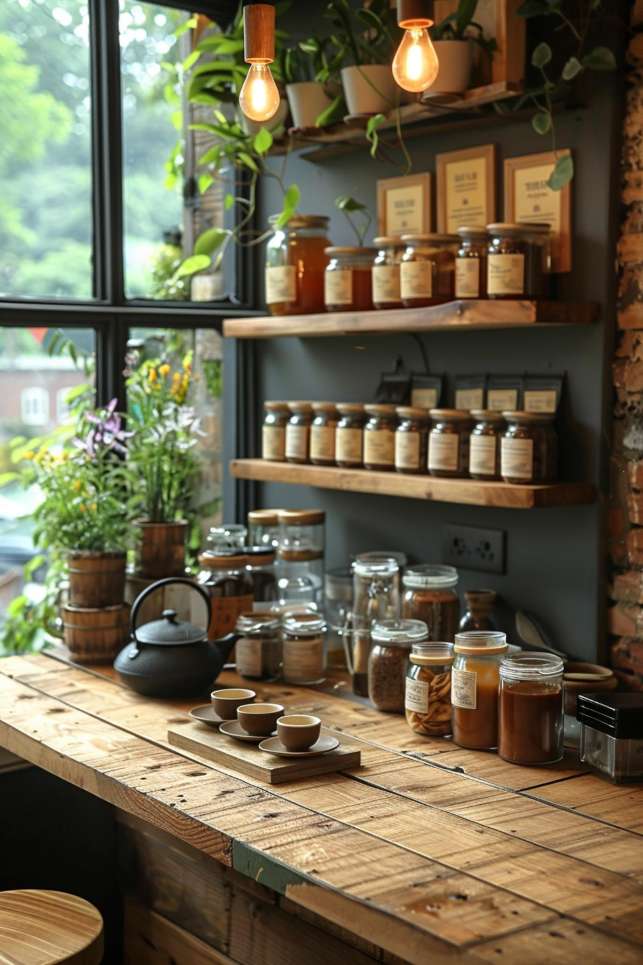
559	943
596	797
150	939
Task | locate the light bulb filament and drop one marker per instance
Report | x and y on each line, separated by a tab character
415	65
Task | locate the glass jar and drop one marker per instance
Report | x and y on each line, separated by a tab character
484	444
263	527
386	272
430	595
347	282
411	439
295	265
507	261
449	443
301	554
349	435
338	602
303	649
379	437
427	269
538	268
322	434
273	431
387	661
298	432
261	567
376	591
479	612
531	708
529	448
471	263
224	575
259	647
226	537
302	528
427	696
475	682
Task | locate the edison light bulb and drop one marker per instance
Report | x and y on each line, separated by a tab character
259	97
415	65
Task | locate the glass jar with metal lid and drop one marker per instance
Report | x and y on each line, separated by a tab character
411	439
261	567
449	443
349	435
529	448
322	433
475	682
376	589
484	444
304	635
259	647
471	263
538	270
295	265
347	282
507	260
531	709
386	272
387	661
427	269
225	577
379	437
430	594
298	432
427	697
263	527
273	431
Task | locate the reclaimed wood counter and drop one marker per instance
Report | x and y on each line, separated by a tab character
427	853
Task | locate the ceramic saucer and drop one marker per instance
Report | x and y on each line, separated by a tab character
206	715
272	745
232	728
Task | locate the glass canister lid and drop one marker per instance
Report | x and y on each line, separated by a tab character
481	642
302	517
263	623
430	576
388	241
531	666
379	566
449	415
272	405
429	652
304	624
401	633
263	517
528	417
222	559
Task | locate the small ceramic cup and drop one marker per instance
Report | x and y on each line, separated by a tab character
298	732
227	702
259	720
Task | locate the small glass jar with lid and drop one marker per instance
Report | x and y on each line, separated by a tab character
295	265
471	263
226	537
263	527
386	272
261	567
507	253
387	661
430	594
301	554
449	443
475	683
225	577
322	434
427	269
302	527
531	709
529	448
484	444
298	432
349	435
304	636
347	284
273	431
411	439
379	437
376	589
258	649
427	697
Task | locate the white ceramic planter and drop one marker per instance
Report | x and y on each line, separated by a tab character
456	59
369	89
307	100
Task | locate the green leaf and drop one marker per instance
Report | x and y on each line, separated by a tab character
209	241
189	24
191	265
263	141
541	55
572	68
213	156
292	196
8	477
248	161
228	202
335	111
600	58
562	174
204	181
541	122
345	203
372	135
191	59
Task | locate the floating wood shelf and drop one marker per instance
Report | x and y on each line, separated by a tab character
470	491
466	314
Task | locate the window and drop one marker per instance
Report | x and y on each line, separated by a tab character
34	405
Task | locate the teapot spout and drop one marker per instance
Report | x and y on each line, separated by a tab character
221	650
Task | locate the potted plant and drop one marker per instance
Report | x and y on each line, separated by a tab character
453	39
306	70
364	41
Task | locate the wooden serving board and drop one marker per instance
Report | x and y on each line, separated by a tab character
248	759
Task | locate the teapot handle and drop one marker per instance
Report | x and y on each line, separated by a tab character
157	586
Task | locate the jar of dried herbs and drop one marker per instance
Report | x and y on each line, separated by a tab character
427	699
391	643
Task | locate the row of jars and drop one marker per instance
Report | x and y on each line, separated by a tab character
305	274
518	447
285	643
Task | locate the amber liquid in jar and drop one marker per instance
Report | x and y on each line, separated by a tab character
379	437
295	266
531	708
322	434
349	435
386	273
471	263
427	269
411	439
475	684
347	283
298	432
507	261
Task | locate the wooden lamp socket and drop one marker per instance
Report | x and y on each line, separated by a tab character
414	13
259	33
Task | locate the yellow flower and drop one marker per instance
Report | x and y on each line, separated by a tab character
152	376
164	369
82	508
29	456
77	485
92	506
187	364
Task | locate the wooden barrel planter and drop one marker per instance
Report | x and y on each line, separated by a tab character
96	579
95	635
161	550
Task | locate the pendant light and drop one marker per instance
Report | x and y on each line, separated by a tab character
415	65
259	97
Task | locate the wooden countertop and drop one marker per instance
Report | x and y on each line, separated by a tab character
431	851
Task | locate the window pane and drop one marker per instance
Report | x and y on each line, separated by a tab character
45	150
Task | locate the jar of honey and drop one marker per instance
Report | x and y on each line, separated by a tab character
295	265
386	272
531	708
349	435
379	437
322	434
471	263
411	438
507	261
347	281
298	432
475	683
427	269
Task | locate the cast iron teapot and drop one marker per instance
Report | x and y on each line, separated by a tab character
170	657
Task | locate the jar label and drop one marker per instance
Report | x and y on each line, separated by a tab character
500	400
482	455
379	447
407	450
416	696
424	398
517	458
281	284
338	287
416	279
506	275
249	653
469	399
273	442
464	689
303	659
225	612
540	400
348	445
297	442
467	278
322	442
444	450
386	283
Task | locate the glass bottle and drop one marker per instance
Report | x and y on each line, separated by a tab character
295	265
479	613
261	567
531	709
388	659
484	444
376	591
427	697
475	683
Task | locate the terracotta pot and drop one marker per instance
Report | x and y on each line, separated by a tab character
95	635
161	550
307	100
456	60
370	89
96	579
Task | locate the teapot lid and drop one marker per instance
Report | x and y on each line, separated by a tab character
170	631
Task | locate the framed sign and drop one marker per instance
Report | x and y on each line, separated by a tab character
528	198
466	187
404	205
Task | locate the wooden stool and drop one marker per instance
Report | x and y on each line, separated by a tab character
44	927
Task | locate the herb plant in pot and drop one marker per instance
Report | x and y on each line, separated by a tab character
364	40
454	39
302	69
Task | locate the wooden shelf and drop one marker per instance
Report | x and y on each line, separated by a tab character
469	491
470	314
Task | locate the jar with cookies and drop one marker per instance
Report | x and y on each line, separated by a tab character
427	697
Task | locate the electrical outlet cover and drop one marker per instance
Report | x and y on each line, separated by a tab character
470	548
